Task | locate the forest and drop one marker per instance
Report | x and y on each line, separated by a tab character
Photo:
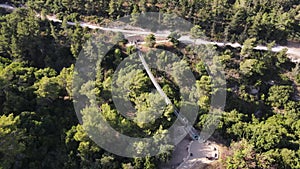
39	128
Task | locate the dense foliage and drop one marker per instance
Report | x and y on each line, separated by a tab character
38	124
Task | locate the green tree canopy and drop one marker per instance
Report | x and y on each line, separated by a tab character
279	95
150	40
11	141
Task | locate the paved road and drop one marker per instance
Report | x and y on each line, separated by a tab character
293	52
